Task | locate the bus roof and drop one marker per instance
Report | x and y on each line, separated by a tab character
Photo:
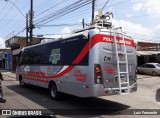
83	31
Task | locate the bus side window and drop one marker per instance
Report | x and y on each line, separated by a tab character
19	59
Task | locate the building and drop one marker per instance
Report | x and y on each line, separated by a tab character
147	52
5	59
16	43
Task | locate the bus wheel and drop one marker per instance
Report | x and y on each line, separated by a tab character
53	91
21	82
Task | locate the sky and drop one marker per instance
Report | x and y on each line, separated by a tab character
139	18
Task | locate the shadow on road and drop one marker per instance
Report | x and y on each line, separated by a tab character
69	105
158	95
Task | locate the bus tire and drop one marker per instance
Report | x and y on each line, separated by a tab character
21	82
53	91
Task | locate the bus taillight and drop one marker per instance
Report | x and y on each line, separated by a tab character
97	74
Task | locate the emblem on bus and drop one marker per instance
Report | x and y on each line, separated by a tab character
55	55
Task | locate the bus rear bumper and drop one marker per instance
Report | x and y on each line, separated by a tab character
100	90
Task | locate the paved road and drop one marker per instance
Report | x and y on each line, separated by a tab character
147	97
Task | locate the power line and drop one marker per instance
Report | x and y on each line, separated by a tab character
3	8
15	35
63	11
9	21
16	8
57	25
57	11
16	29
105	4
82	12
118	3
43	5
143	15
114	4
86	10
55	5
145	35
67	13
8	11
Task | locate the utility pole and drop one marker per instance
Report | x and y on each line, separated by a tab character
27	29
93	7
83	22
31	22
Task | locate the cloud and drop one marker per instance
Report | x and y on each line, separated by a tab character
66	30
129	15
2	43
137	7
157	27
131	27
152	7
157	31
137	31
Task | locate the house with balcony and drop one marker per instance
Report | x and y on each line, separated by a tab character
16	43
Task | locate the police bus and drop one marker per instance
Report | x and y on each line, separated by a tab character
96	61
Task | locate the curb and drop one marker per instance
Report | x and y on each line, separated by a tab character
8	76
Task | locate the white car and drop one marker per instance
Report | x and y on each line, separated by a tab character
149	68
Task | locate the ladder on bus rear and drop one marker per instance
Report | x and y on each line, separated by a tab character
123	85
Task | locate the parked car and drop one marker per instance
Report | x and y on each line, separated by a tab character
149	68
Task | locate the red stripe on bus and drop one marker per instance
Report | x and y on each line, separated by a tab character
34	79
95	39
69	68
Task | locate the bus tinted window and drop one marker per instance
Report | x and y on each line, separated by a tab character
62	52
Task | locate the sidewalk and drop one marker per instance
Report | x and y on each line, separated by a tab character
8	73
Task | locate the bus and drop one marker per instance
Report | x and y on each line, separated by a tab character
95	61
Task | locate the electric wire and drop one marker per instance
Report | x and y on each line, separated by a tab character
3	7
105	4
43	5
56	11
51	25
55	16
55	5
63	11
9	21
